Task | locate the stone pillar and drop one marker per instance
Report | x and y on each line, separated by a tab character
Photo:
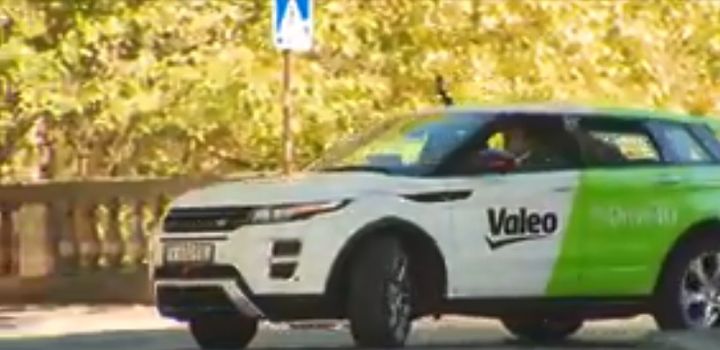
35	247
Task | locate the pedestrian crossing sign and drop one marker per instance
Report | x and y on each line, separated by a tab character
292	24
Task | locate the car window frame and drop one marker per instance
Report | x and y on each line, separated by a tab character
656	127
620	124
480	137
707	136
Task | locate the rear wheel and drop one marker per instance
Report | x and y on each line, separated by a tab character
380	300
688	295
223	332
544	329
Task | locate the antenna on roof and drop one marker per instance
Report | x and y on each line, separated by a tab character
442	91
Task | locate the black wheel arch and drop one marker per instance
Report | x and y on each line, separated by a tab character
696	231
430	268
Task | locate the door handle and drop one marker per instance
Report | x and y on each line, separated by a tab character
668	180
564	189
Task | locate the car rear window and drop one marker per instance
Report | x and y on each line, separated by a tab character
633	146
682	145
716	129
709	135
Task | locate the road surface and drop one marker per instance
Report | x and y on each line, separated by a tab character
139	328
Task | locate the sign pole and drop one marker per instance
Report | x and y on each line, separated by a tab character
287	137
292	31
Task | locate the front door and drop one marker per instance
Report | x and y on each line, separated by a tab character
509	233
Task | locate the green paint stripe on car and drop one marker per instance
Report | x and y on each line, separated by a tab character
622	225
565	276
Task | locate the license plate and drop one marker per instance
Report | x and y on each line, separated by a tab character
189	252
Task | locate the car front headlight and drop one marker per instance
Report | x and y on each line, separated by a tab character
291	212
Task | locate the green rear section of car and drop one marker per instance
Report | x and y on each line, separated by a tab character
623	224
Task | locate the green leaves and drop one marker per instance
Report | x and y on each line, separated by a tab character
172	87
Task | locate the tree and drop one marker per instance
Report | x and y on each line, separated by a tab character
141	87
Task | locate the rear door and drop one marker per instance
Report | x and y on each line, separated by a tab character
633	201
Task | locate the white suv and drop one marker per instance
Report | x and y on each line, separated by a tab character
512	213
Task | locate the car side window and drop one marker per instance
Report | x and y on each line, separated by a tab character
682	145
708	137
616	144
715	127
534	142
632	146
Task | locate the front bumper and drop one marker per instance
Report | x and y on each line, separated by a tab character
276	271
284	258
185	292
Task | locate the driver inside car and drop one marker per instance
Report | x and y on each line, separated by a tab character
534	150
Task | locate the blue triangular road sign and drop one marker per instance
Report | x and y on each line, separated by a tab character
292	24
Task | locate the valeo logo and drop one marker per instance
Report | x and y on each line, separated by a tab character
512	226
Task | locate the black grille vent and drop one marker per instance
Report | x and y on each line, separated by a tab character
196	272
205	219
189	302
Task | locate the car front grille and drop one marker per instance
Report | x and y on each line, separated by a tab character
189	302
218	219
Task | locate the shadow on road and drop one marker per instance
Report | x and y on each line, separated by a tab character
513	344
271	340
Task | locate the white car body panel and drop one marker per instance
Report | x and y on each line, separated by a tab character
300	188
457	227
377	197
514	270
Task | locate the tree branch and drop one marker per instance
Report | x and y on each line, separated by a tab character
13	137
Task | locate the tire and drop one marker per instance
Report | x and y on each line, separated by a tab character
688	292
380	301
543	330
223	332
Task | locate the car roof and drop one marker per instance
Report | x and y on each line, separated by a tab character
585	110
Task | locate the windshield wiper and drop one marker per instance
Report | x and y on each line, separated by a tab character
370	168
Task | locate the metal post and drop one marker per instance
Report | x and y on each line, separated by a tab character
287	139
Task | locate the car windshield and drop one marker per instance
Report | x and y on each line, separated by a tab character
409	145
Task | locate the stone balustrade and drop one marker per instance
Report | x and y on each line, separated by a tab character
82	240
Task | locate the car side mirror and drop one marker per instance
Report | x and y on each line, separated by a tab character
495	161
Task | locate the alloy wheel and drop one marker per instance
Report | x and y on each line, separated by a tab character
700	292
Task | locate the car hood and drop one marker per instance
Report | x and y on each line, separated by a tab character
303	187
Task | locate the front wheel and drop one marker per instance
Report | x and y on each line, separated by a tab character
544	329
380	300
223	332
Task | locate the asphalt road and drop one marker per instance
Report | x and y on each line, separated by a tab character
473	334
